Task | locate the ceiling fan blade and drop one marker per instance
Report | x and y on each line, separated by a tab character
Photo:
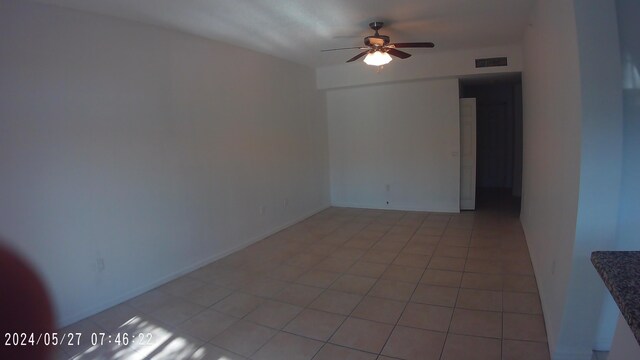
345	48
414	45
398	53
358	56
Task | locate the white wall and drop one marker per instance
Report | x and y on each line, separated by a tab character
404	135
629	215
629	211
149	148
551	152
424	64
572	152
600	169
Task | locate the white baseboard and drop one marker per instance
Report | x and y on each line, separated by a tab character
571	354
557	352
86	312
603	343
395	207
551	340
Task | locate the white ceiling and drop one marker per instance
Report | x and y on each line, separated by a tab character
298	29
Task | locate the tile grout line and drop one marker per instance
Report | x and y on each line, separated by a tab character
311	268
412	293
307	307
363	296
346	317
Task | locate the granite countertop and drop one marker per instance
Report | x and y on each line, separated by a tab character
620	271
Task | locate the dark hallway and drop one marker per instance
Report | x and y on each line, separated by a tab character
498	141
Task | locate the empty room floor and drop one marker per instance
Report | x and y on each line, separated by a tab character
343	284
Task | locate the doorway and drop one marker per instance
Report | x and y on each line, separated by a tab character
498	182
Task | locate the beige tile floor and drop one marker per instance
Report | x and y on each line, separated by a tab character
345	284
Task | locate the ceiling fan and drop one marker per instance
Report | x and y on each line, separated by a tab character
378	49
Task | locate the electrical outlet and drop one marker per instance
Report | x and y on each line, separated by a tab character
263	209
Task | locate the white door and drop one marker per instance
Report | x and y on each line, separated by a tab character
468	151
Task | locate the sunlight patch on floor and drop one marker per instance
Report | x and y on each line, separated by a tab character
160	344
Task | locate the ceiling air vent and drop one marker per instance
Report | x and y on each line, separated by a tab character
491	62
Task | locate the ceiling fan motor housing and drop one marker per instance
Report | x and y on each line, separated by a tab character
376	40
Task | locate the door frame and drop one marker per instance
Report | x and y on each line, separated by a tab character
468	140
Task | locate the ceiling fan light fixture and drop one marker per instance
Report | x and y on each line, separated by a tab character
377	58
